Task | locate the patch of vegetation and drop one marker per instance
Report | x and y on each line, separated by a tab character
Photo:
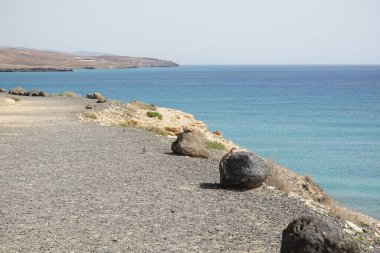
144	106
16	99
128	123
90	115
156	130
69	94
215	145
276	177
157	115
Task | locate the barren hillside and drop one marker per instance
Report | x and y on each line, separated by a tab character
17	59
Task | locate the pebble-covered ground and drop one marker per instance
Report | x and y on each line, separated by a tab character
74	186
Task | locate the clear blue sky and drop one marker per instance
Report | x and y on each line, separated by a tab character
201	31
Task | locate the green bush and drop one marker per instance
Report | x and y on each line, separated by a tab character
215	145
151	114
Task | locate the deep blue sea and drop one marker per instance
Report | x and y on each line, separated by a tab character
322	121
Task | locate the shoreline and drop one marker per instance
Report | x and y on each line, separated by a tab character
112	114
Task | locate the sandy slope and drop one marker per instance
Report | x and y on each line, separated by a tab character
74	186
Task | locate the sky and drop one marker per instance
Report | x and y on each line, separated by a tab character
201	31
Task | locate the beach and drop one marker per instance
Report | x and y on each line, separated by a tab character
77	186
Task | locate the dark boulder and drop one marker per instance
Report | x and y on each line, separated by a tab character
2	90
191	143
313	235
243	170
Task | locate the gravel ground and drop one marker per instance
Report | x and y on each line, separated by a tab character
73	186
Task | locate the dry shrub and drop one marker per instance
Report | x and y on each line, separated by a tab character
90	115
336	210
277	178
143	105
173	130
156	130
128	123
69	94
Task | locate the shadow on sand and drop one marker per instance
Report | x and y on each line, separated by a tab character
217	186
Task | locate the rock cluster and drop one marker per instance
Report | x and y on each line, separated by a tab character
22	92
94	95
100	98
191	143
313	235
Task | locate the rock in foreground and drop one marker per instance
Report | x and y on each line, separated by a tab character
313	235
191	143
243	170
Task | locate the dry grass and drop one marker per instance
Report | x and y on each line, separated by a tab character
90	115
69	94
276	177
128	123
156	130
144	106
336	210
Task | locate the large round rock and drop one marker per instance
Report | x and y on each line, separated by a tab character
191	143
313	235
243	170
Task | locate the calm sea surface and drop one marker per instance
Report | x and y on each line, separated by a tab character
322	121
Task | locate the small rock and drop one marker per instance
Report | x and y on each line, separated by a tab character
101	100
2	90
313	235
94	95
242	170
217	133
88	107
354	227
191	143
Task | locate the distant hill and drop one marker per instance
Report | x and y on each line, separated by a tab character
23	59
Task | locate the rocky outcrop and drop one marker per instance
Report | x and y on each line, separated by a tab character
94	95
35	93
17	91
21	92
313	235
191	143
243	170
31	60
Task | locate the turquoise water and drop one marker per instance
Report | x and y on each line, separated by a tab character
323	121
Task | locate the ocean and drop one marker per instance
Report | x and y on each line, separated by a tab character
322	121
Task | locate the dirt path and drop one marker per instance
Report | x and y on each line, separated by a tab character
73	186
